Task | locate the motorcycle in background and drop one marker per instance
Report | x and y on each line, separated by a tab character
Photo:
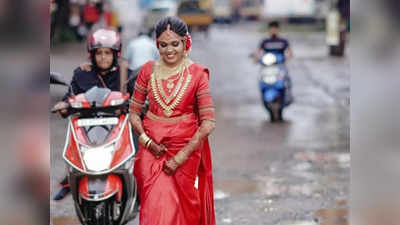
99	153
275	84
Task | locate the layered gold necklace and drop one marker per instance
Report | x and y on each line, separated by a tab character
162	72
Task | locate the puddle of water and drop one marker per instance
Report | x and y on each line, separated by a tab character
342	159
292	222
302	166
65	220
227	220
235	187
341	202
218	194
307	189
304	174
274	187
269	201
270	209
332	216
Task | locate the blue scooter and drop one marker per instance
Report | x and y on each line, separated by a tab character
275	84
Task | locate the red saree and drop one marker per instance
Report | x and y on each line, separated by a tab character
174	199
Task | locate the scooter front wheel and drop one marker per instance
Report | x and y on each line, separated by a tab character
275	111
98	213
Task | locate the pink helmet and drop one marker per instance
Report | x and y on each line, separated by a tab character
105	38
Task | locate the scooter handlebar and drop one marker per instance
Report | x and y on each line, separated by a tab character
109	109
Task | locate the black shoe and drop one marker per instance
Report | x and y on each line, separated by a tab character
62	193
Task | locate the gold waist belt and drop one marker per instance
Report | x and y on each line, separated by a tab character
152	116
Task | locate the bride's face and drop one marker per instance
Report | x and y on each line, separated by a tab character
171	48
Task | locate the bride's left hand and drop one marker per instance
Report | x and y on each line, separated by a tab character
170	166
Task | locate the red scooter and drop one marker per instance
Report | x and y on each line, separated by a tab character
99	152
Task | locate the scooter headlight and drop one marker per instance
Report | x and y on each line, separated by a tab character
268	59
98	158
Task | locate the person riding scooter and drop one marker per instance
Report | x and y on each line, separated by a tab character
275	82
274	43
104	48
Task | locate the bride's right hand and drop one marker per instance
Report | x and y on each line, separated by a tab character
157	150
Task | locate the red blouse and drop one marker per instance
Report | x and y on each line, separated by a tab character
190	93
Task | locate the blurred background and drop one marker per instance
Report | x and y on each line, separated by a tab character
292	172
262	178
374	121
24	164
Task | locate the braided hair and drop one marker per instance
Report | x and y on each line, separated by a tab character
176	25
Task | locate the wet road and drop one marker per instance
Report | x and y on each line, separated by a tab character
295	172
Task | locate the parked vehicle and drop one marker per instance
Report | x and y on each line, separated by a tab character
158	10
99	153
275	84
251	9
294	10
223	11
196	17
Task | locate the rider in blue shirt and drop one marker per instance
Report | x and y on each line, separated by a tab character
274	43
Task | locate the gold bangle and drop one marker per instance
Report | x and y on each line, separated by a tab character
148	143
143	139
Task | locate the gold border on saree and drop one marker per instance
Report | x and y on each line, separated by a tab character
152	116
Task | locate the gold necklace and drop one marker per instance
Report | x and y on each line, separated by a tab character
166	71
168	109
170	82
168	98
160	75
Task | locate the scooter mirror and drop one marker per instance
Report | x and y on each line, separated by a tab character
55	78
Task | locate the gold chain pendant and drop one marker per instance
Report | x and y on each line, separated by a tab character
170	85
168	98
168	109
168	112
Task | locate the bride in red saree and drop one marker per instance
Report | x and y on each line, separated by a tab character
173	165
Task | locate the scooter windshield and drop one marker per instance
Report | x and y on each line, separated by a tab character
97	135
96	96
99	126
